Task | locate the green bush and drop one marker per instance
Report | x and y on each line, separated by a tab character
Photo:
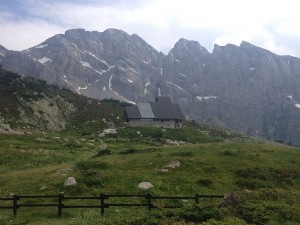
87	165
252	183
91	181
183	153
205	182
190	135
127	151
228	152
284	177
104	152
201	214
255	173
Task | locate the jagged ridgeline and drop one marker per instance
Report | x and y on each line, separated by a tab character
29	105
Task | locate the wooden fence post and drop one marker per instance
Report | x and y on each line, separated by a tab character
60	203
102	203
197	199
15	205
149	201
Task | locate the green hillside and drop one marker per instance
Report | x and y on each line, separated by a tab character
30	105
266	177
36	159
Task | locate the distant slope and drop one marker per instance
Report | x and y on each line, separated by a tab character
30	105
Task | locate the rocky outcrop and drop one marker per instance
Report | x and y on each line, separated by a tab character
48	113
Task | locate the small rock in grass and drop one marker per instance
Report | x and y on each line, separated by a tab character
145	185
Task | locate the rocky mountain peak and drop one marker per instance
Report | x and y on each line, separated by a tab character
2	48
188	45
75	32
245	44
245	88
226	48
2	52
115	34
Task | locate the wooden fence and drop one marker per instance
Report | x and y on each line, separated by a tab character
102	201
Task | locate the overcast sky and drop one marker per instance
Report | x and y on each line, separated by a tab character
270	24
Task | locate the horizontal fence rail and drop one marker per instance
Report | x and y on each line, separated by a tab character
101	201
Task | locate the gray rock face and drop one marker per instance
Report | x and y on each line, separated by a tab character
244	88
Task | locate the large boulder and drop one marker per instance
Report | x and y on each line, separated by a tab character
70	181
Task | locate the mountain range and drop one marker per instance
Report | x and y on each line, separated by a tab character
245	88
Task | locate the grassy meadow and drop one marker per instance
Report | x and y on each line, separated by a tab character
265	176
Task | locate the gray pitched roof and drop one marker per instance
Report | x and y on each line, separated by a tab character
162	108
132	112
145	110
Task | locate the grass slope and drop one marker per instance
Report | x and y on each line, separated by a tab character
38	165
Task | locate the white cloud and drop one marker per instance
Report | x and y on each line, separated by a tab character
277	48
22	34
271	24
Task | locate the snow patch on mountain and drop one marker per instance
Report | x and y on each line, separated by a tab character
80	88
122	97
182	74
297	104
100	60
44	60
104	88
130	81
252	68
146	62
86	64
180	88
206	97
41	46
146	86
161	72
1	54
159	94
96	81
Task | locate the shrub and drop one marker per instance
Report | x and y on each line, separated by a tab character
201	214
252	183
255	173
285	176
183	153
87	165
228	152
127	151
77	189
253	213
92	181
204	182
103	153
